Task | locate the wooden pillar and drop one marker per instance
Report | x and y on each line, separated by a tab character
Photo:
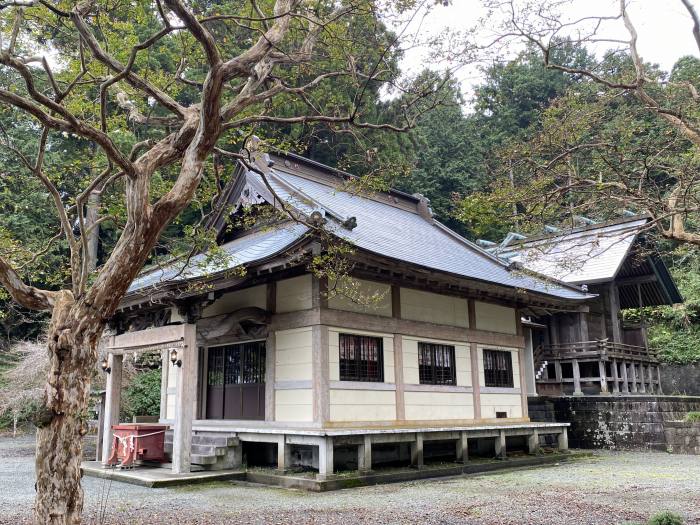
364	454
476	386
633	370
523	387
417	451
659	390
642	379
320	374
500	445
614	302
463	447
325	458
185	400
625	378
113	397
616	377
533	442
563	439
100	426
164	365
557	371
603	378
577	378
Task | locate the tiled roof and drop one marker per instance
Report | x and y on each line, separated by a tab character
250	248
589	255
404	235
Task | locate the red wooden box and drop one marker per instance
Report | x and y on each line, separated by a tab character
137	441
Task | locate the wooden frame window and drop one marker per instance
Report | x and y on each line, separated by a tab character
361	358
498	368
436	364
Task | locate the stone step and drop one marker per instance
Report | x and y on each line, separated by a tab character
214	440
203	459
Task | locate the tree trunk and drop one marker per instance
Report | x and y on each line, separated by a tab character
72	339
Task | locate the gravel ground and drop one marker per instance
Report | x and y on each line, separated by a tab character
610	488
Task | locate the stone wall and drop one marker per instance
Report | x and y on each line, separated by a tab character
681	379
614	422
682	437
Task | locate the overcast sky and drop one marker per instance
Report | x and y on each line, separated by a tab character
664	29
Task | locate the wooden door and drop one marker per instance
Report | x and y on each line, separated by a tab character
236	381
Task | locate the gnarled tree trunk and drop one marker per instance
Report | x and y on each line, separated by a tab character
72	341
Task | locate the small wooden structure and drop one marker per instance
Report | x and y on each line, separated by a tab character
595	351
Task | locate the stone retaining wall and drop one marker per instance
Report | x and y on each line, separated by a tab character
682	437
680	379
614	422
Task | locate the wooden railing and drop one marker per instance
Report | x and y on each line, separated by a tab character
601	347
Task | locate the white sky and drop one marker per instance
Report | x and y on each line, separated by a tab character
664	29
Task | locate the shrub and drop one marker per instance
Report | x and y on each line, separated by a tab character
142	396
693	417
665	518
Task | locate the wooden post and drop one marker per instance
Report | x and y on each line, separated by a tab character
270	360
523	387
642	379
633	370
616	377
320	374
625	378
476	386
603	378
100	426
164	364
417	451
284	458
185	400
614	300
112	402
577	378
557	371
659	390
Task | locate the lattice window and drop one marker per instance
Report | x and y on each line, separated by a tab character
361	358
436	364
498	368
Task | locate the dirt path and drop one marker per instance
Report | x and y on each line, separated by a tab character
610	488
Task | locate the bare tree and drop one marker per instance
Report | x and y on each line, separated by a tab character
234	93
626	179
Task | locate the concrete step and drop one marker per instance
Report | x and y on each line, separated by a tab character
209	450
203	459
214	440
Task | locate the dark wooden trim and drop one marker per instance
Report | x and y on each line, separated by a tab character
396	301
271	299
471	305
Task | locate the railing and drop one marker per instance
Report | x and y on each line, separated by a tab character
601	347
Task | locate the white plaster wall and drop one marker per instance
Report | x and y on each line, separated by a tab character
293	354
495	318
426	406
417	305
362	405
294	294
230	302
365	289
176	317
509	403
514	359
294	405
334	353
410	360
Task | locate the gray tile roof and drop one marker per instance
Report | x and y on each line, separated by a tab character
588	255
404	235
254	247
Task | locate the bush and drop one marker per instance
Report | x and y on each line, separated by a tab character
665	518
693	417
142	396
